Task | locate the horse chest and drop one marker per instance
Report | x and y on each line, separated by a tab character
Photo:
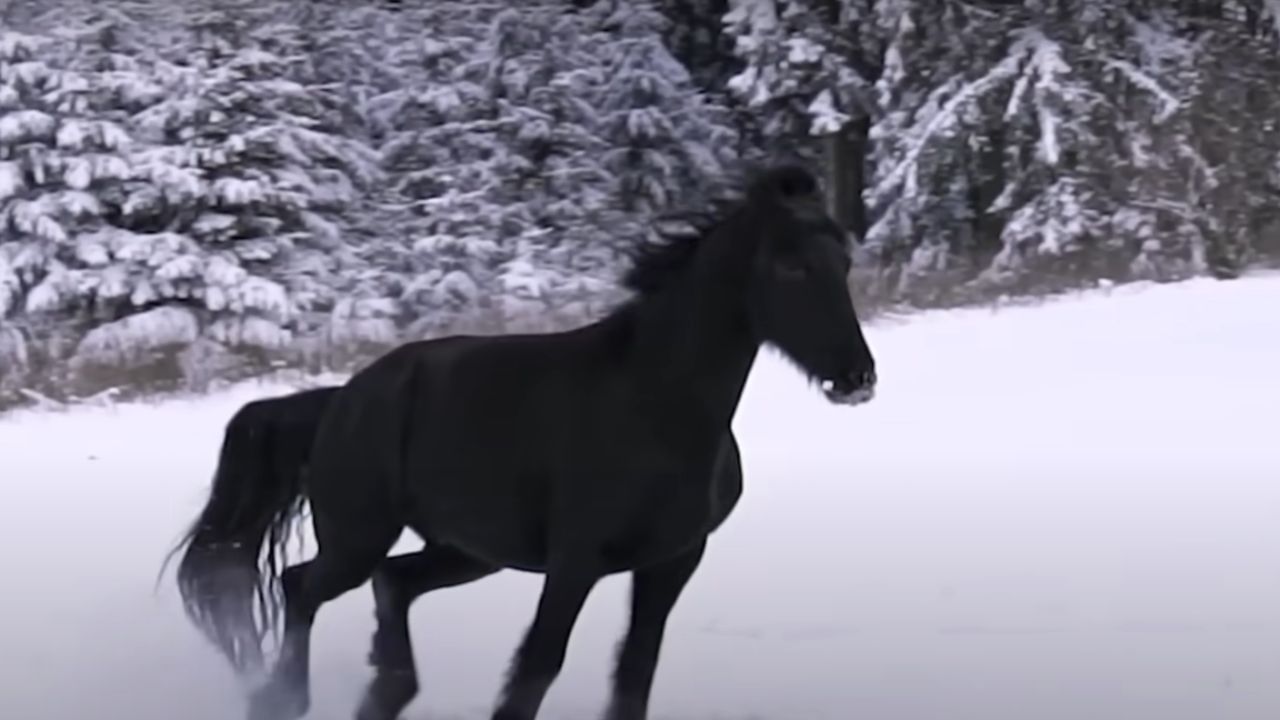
658	524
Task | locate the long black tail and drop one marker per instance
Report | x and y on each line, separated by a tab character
229	590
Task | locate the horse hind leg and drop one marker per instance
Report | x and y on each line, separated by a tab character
350	548
397	582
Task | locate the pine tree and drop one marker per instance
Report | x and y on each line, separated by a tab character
1048	149
552	123
251	171
807	67
64	172
448	169
664	138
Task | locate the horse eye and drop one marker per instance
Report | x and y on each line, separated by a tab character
791	268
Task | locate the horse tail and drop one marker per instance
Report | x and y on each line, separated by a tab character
229	591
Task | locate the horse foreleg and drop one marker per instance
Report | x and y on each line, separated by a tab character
654	591
541	654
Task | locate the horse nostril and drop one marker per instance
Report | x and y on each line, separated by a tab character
867	378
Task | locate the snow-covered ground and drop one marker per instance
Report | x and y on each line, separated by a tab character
1053	513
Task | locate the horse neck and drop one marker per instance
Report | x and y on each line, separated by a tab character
693	342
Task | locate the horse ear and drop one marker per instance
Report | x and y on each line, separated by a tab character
794	183
788	183
785	183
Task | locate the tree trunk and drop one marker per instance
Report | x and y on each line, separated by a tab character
844	156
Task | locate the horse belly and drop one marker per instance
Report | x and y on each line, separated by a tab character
500	519
499	553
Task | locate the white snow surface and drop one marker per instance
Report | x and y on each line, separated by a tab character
1050	513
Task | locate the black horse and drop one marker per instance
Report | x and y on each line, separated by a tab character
259	483
575	454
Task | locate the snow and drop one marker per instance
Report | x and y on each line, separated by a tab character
131	338
1057	512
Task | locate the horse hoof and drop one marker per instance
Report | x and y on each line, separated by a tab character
372	709
272	702
388	695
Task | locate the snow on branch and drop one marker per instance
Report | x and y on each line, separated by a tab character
904	173
1048	67
15	44
1169	103
250	331
827	117
34	217
11	181
26	125
14	353
124	341
10	286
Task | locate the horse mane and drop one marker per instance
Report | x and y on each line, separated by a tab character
671	248
676	237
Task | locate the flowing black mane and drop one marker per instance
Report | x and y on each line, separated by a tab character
655	262
677	236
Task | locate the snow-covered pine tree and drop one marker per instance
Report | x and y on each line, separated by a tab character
807	67
250	172
347	51
445	206
932	96
666	141
496	152
21	146
1054	199
1117	184
1233	130
64	172
611	130
695	34
551	74
1024	157
343	54
1159	223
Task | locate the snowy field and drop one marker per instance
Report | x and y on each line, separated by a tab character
1069	512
